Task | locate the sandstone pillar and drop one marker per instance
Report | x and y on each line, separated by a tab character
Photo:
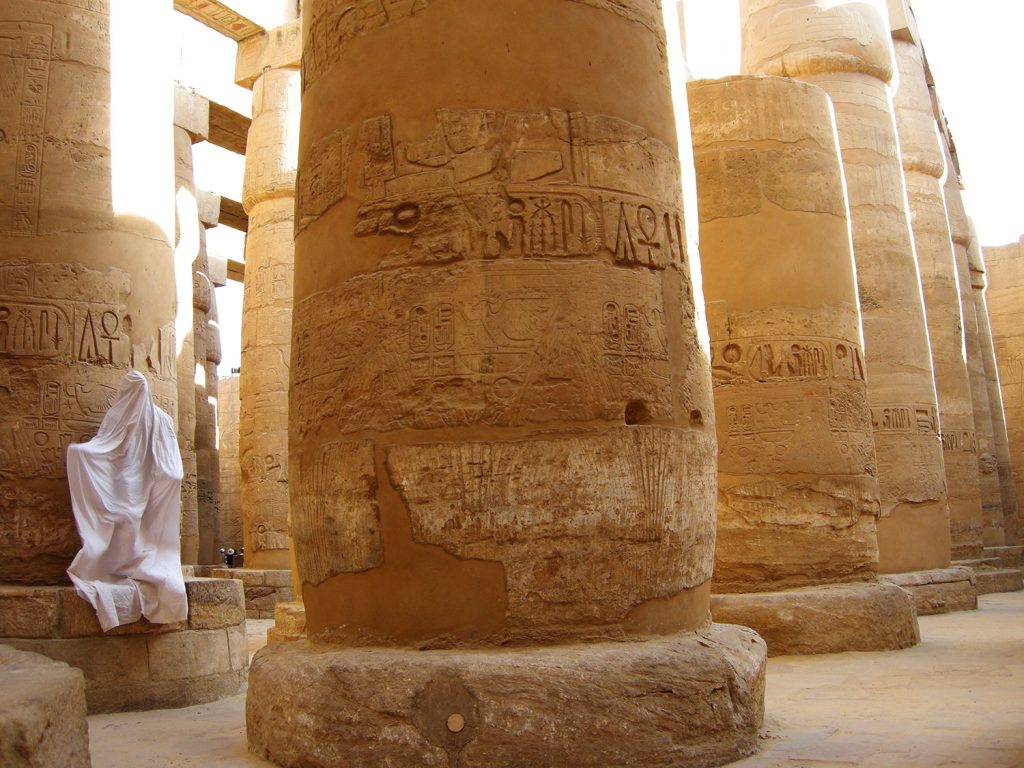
501	416
207	349
845	48
229	525
1007	491
925	170
967	526
797	491
1005	297
186	251
86	231
269	200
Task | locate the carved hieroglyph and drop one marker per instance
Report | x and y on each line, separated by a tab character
500	416
967	528
1001	448
206	336
1005	296
269	199
797	491
845	48
229	520
925	169
83	290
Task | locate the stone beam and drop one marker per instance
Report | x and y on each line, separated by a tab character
228	129
191	113
219	17
236	270
275	48
216	209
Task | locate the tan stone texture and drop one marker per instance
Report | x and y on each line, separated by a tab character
967	527
139	665
42	713
941	590
825	619
289	623
229	520
1005	298
263	589
797	491
83	282
999	464
496	379
686	700
206	340
925	169
269	199
845	48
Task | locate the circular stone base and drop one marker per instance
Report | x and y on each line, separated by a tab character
825	619
940	590
693	699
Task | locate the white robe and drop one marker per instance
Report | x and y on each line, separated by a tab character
126	495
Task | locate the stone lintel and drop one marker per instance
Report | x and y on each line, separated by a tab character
219	17
218	270
236	270
209	208
692	699
228	129
191	113
940	590
832	618
42	712
902	21
233	215
274	49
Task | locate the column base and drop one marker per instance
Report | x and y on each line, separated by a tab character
140	665
264	588
289	623
693	699
825	619
940	590
1009	557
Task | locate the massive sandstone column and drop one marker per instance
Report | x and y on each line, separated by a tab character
925	170
967	527
206	337
501	427
797	491
269	200
86	230
1007	492
845	48
1005	296
229	514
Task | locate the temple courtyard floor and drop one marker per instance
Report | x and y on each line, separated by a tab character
957	699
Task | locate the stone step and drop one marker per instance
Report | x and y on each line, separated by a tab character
980	563
1009	557
988	581
941	590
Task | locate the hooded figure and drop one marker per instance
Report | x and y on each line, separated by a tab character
126	495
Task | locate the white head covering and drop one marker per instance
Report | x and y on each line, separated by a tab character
126	495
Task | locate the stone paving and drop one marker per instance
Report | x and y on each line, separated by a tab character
957	699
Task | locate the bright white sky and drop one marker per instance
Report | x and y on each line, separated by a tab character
973	49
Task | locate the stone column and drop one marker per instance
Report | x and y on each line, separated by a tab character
186	251
925	170
797	491
207	351
1007	492
86	233
967	529
845	48
269	200
229	520
1005	298
501	417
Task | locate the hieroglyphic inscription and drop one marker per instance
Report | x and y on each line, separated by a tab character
964	441
219	17
25	52
487	184
908	418
550	342
785	359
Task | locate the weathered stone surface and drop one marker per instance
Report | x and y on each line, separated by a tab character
826	619
845	47
694	699
229	521
941	590
990	580
214	603
1009	557
289	623
42	713
26	612
797	491
262	589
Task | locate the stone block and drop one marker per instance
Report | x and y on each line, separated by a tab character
1009	557
991	580
191	113
238	648
165	694
188	654
279	578
275	48
42	713
27	611
214	603
121	660
693	699
77	618
941	590
247	576
826	619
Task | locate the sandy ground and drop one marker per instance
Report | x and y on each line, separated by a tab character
957	699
